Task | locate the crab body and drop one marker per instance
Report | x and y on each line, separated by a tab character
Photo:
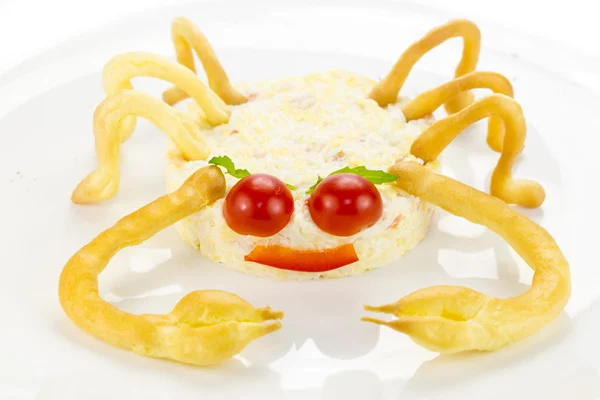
298	130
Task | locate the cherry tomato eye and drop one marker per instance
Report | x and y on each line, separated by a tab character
259	205
345	204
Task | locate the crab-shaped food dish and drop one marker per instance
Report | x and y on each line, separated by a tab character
326	175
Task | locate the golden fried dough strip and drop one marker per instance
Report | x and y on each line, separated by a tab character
435	138
186	36
119	71
205	327
386	91
103	183
453	319
429	101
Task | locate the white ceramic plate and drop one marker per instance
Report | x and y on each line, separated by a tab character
324	351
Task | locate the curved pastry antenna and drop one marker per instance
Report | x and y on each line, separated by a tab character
186	36
438	136
119	71
429	101
386	91
452	318
103	183
204	328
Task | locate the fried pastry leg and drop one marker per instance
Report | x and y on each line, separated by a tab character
438	136
186	36
103	183
386	91
205	327
119	71
452	319
429	101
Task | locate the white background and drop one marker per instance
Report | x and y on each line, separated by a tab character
28	27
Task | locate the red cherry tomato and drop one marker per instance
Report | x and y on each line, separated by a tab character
345	204
258	205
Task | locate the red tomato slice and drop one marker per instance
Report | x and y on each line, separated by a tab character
303	260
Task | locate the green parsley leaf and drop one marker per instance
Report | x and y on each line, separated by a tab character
376	177
226	163
313	187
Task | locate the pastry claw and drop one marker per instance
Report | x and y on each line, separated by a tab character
440	318
208	307
452	319
269	314
445	301
439	334
205	327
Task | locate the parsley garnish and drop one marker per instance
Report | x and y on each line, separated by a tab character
229	166
376	177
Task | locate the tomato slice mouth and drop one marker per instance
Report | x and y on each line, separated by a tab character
286	258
